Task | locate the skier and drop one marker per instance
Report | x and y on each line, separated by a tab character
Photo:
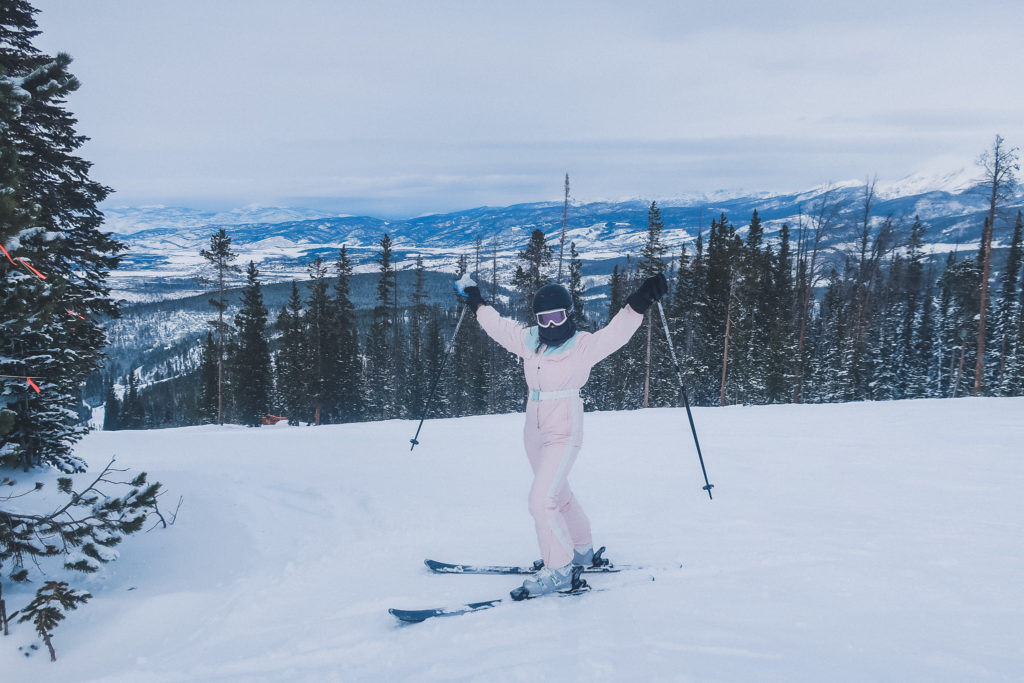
557	360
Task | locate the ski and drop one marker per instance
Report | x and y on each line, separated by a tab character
600	566
415	616
580	586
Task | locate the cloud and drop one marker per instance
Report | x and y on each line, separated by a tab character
454	103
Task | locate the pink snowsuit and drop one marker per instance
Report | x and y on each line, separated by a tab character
554	420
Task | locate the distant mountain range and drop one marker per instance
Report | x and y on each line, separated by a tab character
164	242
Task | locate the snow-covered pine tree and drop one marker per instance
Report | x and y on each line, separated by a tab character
576	288
908	368
347	393
321	340
47	609
292	360
250	363
625	368
781	351
749	330
604	388
206	398
132	414
923	365
723	259
380	372
83	530
111	411
961	299
1008	314
656	363
51	328
680	313
418	381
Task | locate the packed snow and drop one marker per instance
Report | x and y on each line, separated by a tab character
870	541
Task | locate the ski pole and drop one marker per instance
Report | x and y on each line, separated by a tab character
437	377
686	400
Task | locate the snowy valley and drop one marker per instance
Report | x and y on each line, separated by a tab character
164	242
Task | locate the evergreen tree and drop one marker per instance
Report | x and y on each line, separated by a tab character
418	380
220	260
655	360
321	340
292	360
382	398
961	301
576	289
51	228
347	391
779	315
47	609
206	401
132	414
723	259
251	368
1009	313
111	411
531	274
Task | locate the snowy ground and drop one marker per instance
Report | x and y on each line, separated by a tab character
869	542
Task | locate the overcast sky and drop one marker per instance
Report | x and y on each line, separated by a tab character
399	108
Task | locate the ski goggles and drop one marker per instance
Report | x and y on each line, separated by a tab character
553	318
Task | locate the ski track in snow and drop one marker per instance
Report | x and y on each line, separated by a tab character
855	542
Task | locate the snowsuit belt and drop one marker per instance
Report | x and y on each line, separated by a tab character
536	395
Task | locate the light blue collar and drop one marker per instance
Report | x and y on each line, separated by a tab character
532	339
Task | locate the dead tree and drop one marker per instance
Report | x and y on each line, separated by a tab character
1000	166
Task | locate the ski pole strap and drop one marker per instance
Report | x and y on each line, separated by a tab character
536	395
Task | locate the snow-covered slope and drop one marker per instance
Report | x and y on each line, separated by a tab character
863	542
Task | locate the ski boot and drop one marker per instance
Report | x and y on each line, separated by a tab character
567	579
587	558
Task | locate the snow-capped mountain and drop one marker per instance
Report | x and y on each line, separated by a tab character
164	243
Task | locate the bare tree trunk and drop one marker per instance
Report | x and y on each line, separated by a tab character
999	165
491	398
960	371
220	349
3	612
825	215
49	646
565	217
986	247
647	372
952	368
725	353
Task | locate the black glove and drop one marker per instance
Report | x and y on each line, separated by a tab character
652	289
472	298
